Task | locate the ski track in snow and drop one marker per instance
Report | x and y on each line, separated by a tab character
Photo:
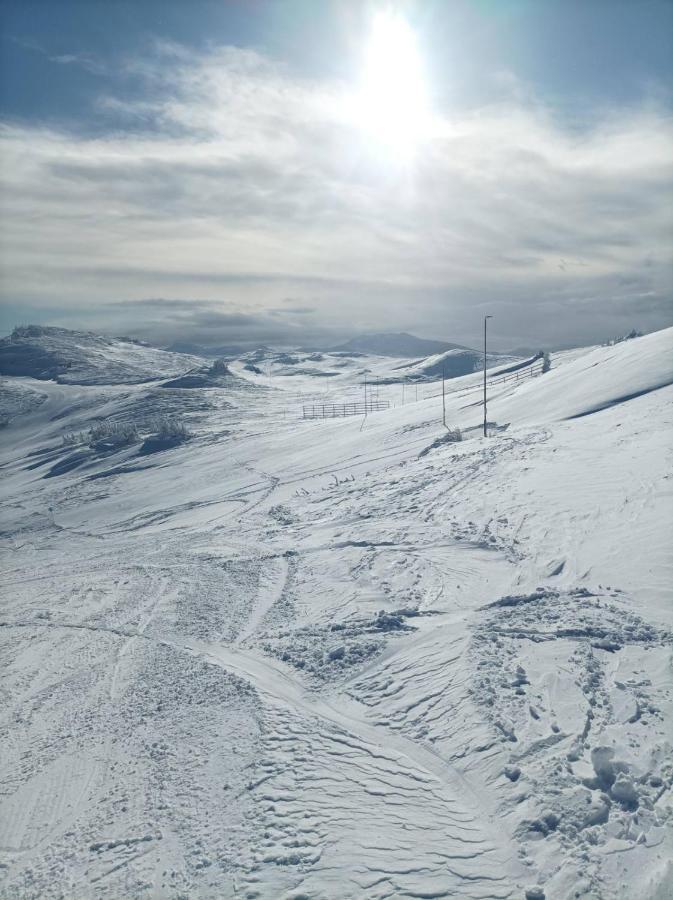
303	661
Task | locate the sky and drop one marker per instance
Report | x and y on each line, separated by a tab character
300	172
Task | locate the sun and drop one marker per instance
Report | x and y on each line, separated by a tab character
391	103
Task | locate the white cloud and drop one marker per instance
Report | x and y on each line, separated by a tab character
249	184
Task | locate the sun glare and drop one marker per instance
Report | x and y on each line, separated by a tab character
391	104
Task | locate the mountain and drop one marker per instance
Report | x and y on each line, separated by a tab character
393	344
81	357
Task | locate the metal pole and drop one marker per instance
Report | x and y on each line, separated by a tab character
443	398
485	318
365	395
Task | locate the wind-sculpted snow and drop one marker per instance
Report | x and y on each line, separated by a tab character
17	400
300	659
77	357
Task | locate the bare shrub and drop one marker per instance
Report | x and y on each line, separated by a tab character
117	434
72	438
166	433
168	428
110	435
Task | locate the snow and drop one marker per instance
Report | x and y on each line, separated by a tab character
398	345
453	363
80	357
596	380
295	658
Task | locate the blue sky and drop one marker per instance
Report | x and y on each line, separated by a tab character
197	155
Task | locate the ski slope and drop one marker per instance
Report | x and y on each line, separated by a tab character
343	658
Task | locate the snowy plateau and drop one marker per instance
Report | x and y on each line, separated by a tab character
254	655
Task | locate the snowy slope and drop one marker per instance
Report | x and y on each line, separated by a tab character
305	659
78	357
596	380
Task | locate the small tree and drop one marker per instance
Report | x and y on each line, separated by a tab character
546	361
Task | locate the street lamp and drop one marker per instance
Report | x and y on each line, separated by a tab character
485	318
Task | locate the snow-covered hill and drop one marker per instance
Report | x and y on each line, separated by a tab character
398	345
80	357
342	658
451	364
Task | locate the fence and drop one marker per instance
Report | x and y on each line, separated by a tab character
519	375
339	410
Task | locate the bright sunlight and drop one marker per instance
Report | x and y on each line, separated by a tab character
391	104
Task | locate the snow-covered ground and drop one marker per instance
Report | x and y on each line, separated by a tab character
341	658
80	357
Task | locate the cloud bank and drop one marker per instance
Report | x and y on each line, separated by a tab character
233	181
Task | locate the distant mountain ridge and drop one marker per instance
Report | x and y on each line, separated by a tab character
399	344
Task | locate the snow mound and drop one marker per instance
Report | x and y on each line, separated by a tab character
79	357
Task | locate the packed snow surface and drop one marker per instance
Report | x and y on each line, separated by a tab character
269	657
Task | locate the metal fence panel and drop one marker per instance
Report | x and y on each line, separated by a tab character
341	410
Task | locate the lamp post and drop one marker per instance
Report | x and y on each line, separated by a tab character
443	396
485	318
